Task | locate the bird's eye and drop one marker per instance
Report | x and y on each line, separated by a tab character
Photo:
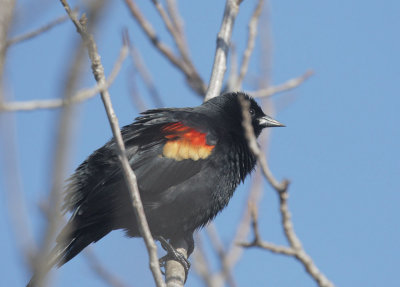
252	112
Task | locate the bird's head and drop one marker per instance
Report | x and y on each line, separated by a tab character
230	106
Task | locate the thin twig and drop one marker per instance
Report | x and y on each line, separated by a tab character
176	35
219	247
253	24
134	92
101	271
221	52
151	34
16	206
143	71
80	96
201	264
130	178
257	241
63	145
15	201
234	252
281	188
286	86
252	142
176	19
231	82
36	32
6	16
192	77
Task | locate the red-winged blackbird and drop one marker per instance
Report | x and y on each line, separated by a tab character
188	162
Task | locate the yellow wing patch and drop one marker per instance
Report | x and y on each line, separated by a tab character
185	143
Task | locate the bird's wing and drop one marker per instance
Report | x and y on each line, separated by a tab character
164	147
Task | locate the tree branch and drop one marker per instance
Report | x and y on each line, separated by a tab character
177	33
62	147
129	175
176	19
201	264
222	254
34	33
101	271
221	53
142	70
174	272
60	158
80	96
253	24
188	70
151	34
15	202
182	48
6	16
281	188
286	86
257	241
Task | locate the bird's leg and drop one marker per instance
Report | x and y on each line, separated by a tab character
173	254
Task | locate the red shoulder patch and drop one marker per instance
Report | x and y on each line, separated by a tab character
185	143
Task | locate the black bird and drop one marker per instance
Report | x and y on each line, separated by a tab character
188	162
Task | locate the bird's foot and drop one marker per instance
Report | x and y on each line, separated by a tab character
173	254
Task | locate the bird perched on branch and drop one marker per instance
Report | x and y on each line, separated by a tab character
188	162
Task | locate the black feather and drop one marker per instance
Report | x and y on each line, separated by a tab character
179	196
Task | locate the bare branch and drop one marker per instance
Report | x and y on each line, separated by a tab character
13	190
59	168
231	82
221	53
286	86
295	244
151	34
234	251
249	133
253	24
41	30
176	19
61	157
78	97
143	71
180	44
6	16
186	67
109	278
195	81
219	247
98	72
175	275
135	94
201	264
177	33
257	242
295	248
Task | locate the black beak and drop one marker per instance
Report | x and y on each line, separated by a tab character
267	121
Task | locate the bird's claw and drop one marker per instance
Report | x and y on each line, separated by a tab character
173	254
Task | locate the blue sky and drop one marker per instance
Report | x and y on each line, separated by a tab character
340	148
